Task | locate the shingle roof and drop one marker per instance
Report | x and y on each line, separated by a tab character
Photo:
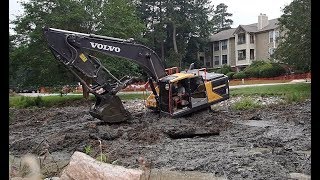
254	27
226	34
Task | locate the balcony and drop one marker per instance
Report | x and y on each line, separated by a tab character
241	42
241	58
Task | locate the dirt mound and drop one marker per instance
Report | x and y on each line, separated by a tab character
268	143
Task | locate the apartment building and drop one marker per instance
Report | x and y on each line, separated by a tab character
239	47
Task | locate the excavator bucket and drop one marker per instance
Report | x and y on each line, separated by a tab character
109	109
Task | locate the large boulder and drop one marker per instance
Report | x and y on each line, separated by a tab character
82	166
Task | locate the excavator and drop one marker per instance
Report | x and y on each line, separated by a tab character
76	51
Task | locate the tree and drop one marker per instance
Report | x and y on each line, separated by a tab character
220	19
35	65
172	23
295	39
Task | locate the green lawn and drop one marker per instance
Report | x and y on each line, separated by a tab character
290	92
274	90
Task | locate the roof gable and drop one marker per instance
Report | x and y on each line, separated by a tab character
250	28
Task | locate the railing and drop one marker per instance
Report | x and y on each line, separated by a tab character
241	58
241	42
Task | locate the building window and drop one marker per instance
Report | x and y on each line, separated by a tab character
216	46
251	38
242	38
251	54
224	44
242	54
208	64
224	59
216	60
271	36
271	51
277	35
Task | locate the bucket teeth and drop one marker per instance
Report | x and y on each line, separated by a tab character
109	109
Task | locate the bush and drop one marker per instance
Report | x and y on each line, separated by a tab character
254	69
225	69
271	70
264	69
239	75
230	74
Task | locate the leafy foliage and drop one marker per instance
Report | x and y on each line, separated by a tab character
230	75
220	19
239	75
264	69
295	42
31	63
176	28
225	69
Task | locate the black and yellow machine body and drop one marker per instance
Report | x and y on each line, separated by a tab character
202	90
78	53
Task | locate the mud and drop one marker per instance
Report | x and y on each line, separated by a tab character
268	143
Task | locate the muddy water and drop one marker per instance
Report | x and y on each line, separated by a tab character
269	143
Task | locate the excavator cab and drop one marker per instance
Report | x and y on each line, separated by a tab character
200	90
181	93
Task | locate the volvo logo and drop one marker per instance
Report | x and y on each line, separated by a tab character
105	47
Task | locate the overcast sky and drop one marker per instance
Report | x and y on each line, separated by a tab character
244	11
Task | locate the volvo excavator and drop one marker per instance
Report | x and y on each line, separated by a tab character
76	51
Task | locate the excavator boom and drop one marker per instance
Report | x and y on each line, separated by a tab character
75	50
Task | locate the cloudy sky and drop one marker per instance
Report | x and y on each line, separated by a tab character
244	11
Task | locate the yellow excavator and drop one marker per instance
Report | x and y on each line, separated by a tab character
175	93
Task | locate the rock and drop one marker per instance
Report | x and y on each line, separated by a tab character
299	176
82	166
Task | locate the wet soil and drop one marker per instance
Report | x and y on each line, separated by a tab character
266	143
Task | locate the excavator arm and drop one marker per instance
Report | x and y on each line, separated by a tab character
75	50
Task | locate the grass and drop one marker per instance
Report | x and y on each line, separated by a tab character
239	82
289	92
245	104
295	91
45	101
49	101
131	96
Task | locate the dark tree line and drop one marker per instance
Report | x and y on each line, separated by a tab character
176	29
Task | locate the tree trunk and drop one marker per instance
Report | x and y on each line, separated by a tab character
162	50
175	48
85	91
174	38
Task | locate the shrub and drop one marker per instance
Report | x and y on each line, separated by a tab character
271	70
264	69
230	74
254	69
239	75
225	69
